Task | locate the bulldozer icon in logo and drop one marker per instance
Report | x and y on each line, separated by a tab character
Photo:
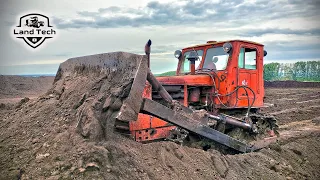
34	22
34	29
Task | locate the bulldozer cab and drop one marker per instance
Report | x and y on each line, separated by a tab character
234	64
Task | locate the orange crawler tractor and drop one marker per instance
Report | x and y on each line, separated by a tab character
216	93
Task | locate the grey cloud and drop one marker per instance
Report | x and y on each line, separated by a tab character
112	9
109	9
156	13
289	56
156	49
279	50
165	48
292	50
259	32
88	14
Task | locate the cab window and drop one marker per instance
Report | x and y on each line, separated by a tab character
186	64
247	58
216	59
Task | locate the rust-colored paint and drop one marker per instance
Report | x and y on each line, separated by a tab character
151	134
185	99
193	68
194	80
194	95
141	128
143	121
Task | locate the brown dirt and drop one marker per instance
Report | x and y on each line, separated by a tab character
291	104
14	88
291	84
66	133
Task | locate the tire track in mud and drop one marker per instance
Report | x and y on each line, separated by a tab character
299	104
294	110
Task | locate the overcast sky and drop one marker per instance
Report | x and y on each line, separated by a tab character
289	29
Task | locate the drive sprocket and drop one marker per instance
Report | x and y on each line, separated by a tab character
264	126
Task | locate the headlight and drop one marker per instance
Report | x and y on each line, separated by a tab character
177	54
265	53
227	47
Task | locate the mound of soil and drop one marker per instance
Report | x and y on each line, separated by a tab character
67	133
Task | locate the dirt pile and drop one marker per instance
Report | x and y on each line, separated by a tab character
67	133
85	93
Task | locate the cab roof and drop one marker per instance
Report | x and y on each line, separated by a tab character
218	42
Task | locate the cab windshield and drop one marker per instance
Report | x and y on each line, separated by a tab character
216	59
185	67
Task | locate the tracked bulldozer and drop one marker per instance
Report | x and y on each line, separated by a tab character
216	94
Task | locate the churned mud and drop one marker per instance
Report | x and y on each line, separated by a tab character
67	133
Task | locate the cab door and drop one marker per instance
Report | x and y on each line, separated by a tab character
248	75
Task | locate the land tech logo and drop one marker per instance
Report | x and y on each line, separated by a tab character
34	29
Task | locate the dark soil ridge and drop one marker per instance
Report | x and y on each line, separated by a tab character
67	133
290	84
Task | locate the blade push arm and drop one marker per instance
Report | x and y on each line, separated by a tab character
190	122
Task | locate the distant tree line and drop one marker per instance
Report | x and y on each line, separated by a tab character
169	73
299	71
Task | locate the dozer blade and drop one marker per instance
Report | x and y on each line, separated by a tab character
131	106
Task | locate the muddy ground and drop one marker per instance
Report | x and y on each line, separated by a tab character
65	133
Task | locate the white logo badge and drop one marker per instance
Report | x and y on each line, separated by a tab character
34	29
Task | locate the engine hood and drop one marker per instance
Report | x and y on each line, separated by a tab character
197	80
